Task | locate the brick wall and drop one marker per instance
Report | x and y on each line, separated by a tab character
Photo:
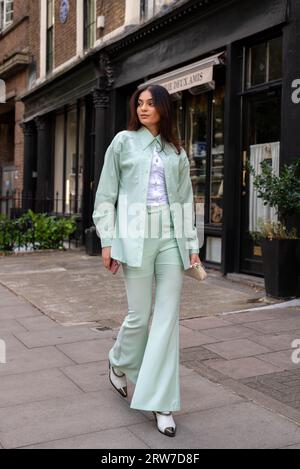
64	35
114	12
34	33
15	38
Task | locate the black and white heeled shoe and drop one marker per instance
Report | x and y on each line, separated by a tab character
118	381
165	423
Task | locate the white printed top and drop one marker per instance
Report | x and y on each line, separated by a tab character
157	189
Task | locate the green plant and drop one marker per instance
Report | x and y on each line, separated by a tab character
38	230
272	230
281	192
9	233
47	232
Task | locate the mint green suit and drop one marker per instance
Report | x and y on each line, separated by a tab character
148	355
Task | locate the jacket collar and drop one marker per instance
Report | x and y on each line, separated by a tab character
147	138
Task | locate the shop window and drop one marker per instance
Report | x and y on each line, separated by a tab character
205	147
50	35
69	160
89	23
264	135
217	157
6	13
213	250
264	62
197	139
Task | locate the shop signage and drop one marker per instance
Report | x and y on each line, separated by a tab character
257	251
189	80
196	74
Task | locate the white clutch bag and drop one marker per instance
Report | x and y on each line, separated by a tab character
196	271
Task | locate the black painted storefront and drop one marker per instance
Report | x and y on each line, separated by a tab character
105	80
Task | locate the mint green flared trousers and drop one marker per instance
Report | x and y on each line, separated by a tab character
149	354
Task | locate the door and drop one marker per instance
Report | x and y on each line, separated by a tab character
261	140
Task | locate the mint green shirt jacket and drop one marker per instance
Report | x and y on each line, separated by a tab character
124	182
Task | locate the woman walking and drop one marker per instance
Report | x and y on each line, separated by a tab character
152	234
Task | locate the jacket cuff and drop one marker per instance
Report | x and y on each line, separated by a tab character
194	251
106	242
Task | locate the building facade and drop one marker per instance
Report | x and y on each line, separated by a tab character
232	70
15	62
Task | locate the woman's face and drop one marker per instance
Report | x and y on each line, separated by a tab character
146	111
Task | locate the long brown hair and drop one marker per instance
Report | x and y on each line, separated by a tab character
163	104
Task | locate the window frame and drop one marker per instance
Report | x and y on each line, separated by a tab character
247	85
88	25
6	13
50	38
149	8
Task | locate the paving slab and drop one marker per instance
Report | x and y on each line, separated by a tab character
192	338
278	325
238	426
55	336
282	359
26	360
65	417
35	386
112	439
262	315
87	351
279	341
10	325
230	332
15	311
243	367
239	348
37	323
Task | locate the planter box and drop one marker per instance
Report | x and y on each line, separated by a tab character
281	258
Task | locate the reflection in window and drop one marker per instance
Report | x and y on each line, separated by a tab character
152	7
6	13
217	158
69	189
178	110
59	158
258	64
197	110
275	69
50	36
264	62
80	160
89	23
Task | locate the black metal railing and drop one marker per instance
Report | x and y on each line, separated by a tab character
15	203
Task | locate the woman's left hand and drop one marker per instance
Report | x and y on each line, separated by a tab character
194	258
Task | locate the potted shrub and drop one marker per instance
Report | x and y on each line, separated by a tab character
280	246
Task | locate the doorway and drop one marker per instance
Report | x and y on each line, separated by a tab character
262	130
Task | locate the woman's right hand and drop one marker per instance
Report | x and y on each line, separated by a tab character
106	256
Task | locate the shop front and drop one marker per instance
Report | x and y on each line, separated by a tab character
230	72
198	93
226	75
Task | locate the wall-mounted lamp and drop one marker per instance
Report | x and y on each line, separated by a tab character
101	22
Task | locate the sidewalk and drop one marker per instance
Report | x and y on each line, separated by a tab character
73	288
239	387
